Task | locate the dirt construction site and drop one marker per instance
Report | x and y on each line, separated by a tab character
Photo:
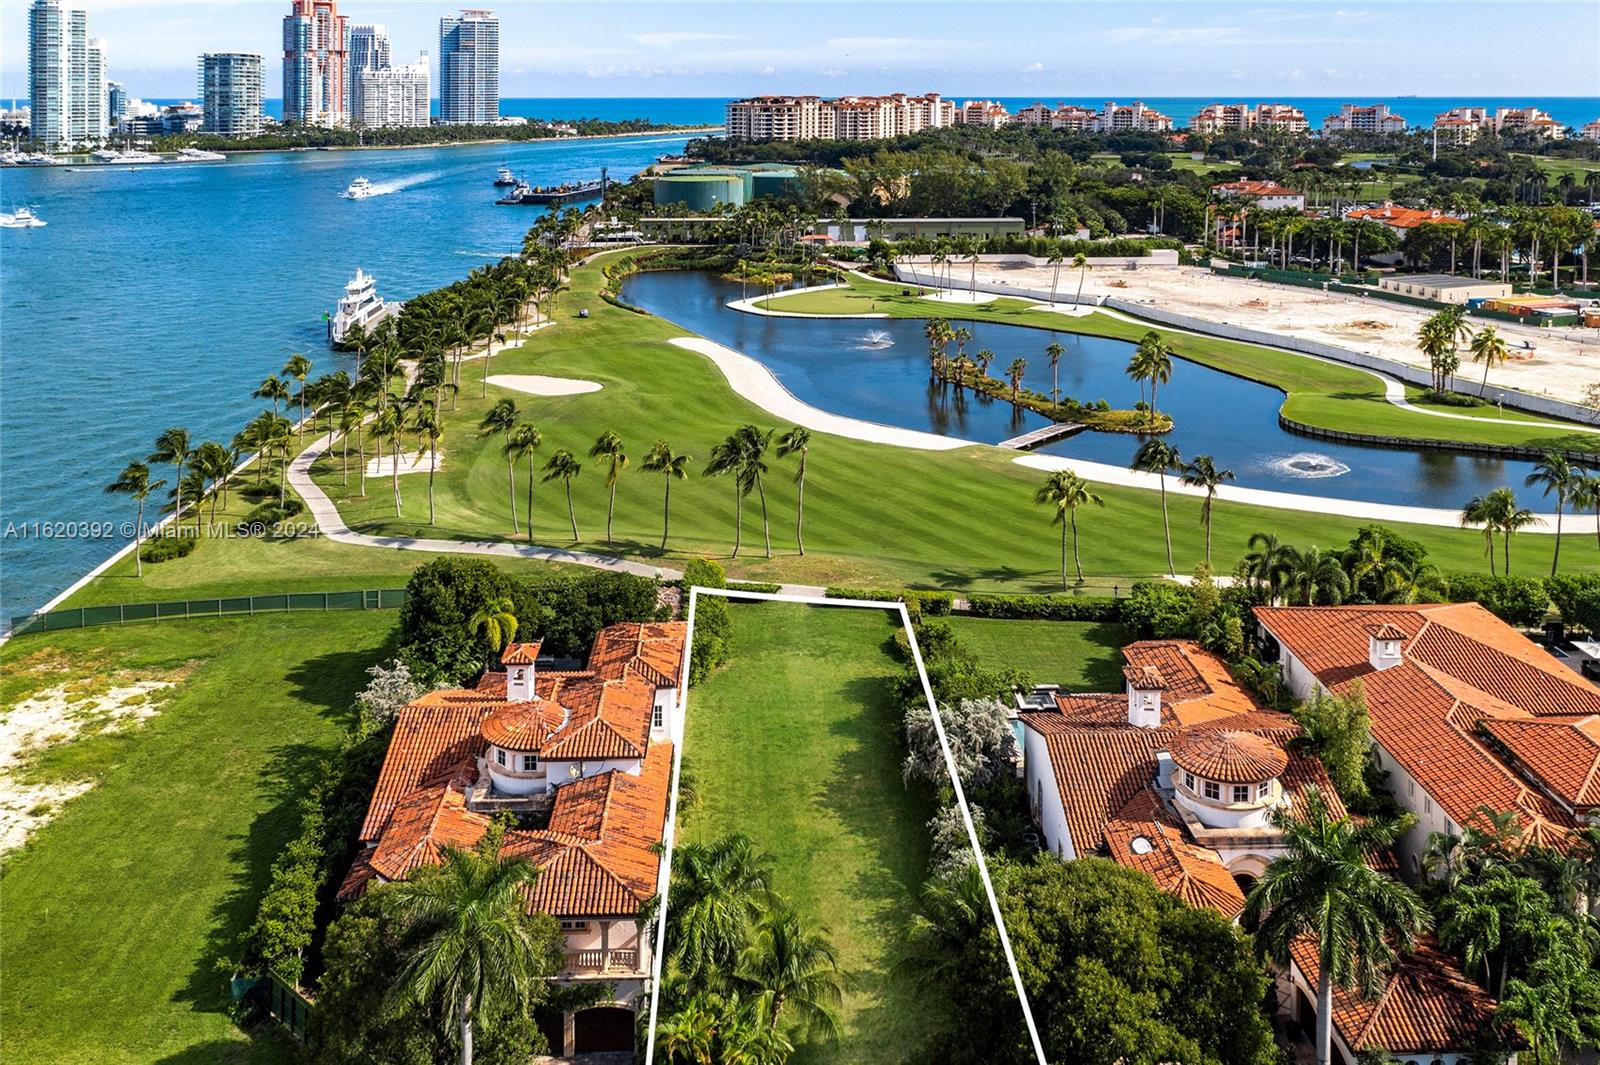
1560	363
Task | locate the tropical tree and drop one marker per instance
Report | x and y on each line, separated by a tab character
564	466
1053	352
1584	494
719	889
742	455
1202	472
1323	887
797	441
215	464
792	971
1160	458
1554	475
1151	361
134	480
1080	263
1499	506
1311	574
1265	561
1490	349
391	426
272	388
430	430
1478	512
608	450
1064	492
474	949
298	368
1014	374
173	447
671	466
502	419
522	440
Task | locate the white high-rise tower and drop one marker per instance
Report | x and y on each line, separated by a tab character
66	77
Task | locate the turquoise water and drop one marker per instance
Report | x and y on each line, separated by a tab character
161	296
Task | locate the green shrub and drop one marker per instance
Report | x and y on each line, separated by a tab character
166	548
567	609
1577	596
754	586
272	513
932	603
1520	601
1159	610
436	637
1052	607
712	622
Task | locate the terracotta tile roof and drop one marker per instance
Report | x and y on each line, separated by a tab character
1402	217
427	820
1460	666
1229	757
523	726
653	649
1146	837
520	654
1253	188
1563	755
1198	685
434	738
1426	1004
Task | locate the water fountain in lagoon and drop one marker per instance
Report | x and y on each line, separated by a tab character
876	340
1308	464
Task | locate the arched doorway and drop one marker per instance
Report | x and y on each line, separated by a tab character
603	1028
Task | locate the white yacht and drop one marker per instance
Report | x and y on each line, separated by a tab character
106	155
21	218
198	155
360	305
360	189
38	159
505	178
140	156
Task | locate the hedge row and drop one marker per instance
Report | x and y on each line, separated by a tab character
934	604
166	548
1054	607
753	586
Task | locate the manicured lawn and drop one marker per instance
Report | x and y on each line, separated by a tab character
1078	655
1578	168
796	743
116	911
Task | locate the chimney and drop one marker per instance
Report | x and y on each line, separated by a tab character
519	659
1384	644
1145	686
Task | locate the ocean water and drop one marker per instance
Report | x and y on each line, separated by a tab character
161	296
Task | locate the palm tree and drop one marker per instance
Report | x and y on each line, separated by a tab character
1054	260
1014	374
1080	263
1151	361
1064	492
391	426
1584	494
608	449
1202	472
298	367
497	620
953	912
215	464
1160	458
274	389
719	889
753	450
430	430
134	480
1553	474
797	441
1053	352
1488	348
564	466
1311	574
522	441
790	965
173	447
473	948
1501	507
662	460
1478	512
502	418
1324	888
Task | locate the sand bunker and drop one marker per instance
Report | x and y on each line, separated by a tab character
962	297
539	385
410	462
50	718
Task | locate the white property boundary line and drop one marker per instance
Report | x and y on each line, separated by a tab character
664	877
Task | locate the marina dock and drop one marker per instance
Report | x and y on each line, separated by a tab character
1043	435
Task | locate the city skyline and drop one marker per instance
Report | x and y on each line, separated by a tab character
1227	50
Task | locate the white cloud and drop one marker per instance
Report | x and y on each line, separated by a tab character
1033	68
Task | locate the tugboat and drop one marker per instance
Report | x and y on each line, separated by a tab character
360	189
525	195
505	179
359	306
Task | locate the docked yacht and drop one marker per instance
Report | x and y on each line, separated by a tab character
359	306
505	179
198	155
360	189
139	156
106	155
21	218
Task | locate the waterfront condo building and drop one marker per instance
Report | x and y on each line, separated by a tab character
66	77
1357	118
1220	118
116	103
1115	118
315	64
369	50
469	68
1463	125
779	118
856	118
230	94
395	96
1591	131
989	113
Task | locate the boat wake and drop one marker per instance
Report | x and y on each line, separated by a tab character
876	340
1308	465
384	188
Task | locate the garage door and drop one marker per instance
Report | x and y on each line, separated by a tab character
604	1028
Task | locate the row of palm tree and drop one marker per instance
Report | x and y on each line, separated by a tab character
1499	514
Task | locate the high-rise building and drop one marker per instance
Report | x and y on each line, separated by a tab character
230	94
469	68
66	76
116	103
315	64
369	50
395	96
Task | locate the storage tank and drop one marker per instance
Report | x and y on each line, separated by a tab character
702	191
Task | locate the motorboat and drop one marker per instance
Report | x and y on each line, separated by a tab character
139	156
21	218
505	179
106	155
360	189
359	306
198	155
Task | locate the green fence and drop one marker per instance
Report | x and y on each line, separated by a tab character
184	609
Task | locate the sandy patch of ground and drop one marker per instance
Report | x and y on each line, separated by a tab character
410	462
540	385
55	716
954	296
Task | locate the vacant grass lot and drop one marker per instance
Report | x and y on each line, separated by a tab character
1078	655
796	743
117	911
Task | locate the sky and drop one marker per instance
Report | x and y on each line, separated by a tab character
977	48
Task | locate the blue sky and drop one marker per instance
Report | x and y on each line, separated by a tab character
976	48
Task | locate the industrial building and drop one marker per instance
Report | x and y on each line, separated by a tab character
705	188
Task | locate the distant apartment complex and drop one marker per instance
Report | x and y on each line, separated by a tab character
469	68
369	50
394	96
66	77
1357	118
230	94
1222	118
315	64
1591	132
1111	118
1462	125
859	118
982	113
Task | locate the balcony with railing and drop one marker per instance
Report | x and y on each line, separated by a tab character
621	961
